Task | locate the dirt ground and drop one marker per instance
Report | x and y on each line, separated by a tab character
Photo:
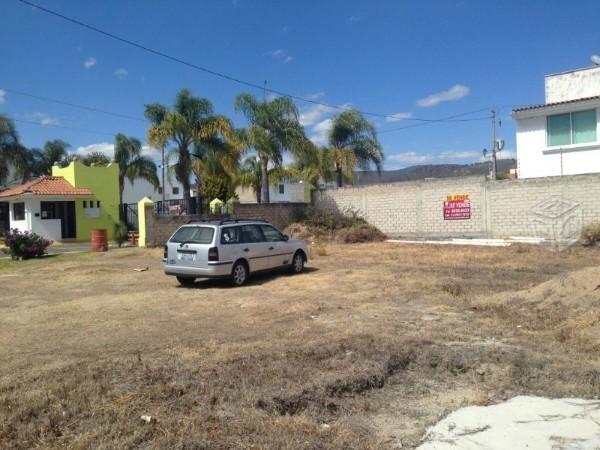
366	349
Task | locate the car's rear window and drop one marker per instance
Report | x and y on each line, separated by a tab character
194	235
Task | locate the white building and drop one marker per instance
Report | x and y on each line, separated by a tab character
560	137
134	192
281	192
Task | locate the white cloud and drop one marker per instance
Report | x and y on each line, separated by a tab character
90	62
280	55
320	132
315	96
43	118
398	117
2	96
595	59
121	73
456	92
102	147
314	114
405	159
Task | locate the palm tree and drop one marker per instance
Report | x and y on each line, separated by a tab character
354	141
54	152
132	164
250	175
190	121
13	156
274	129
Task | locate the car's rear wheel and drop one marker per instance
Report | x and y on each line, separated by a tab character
297	263
239	273
186	281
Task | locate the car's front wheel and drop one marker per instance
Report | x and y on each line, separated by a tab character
297	263
239	273
186	281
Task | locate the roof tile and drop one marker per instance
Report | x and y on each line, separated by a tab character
46	185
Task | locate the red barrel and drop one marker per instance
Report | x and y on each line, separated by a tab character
99	241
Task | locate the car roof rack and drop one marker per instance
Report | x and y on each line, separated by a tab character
224	221
199	221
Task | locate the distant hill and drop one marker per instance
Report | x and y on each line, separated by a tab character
413	173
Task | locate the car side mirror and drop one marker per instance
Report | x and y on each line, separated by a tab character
286	237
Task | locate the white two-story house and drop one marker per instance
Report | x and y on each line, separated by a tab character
560	136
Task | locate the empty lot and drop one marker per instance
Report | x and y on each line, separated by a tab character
371	345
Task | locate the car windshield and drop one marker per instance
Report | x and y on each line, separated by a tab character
194	235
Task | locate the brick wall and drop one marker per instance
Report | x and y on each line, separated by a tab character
552	207
160	228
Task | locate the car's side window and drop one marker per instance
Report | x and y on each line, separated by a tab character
250	234
230	235
271	233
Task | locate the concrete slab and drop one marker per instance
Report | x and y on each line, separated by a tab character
532	423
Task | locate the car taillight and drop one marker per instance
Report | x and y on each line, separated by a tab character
166	253
213	254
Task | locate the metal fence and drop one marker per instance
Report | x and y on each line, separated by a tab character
178	207
129	215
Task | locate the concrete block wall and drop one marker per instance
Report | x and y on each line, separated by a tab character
159	228
551	207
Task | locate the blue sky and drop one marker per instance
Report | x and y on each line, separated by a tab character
425	59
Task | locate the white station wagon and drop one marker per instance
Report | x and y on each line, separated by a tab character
232	248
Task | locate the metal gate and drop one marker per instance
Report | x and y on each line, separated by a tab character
130	216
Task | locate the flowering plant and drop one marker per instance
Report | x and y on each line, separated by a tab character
23	245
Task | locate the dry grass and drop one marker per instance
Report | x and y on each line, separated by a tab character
364	350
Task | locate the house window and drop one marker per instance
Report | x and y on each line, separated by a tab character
160	189
281	189
175	191
48	210
571	128
98	204
18	211
85	203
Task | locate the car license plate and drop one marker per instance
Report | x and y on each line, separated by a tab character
186	257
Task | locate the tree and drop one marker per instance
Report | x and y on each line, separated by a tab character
274	129
354	142
97	159
190	122
132	164
250	175
13	156
215	162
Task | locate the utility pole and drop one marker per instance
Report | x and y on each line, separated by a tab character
163	177
494	146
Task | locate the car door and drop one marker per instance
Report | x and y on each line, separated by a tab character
230	244
278	249
254	248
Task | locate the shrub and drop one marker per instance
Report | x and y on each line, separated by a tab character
360	233
120	233
590	234
330	220
23	245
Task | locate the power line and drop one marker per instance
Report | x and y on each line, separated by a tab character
447	119
211	71
73	105
32	122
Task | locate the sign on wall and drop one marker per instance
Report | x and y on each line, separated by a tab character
457	207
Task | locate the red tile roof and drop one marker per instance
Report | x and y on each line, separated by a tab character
566	102
46	185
